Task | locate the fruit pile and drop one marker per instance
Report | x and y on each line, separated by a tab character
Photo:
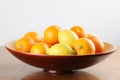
56	41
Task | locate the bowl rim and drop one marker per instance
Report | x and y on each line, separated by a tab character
27	53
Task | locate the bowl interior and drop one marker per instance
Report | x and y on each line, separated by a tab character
108	47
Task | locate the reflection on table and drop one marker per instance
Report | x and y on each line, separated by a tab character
79	75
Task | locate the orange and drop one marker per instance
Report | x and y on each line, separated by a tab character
83	46
51	34
91	35
99	44
79	31
49	45
24	44
34	35
39	48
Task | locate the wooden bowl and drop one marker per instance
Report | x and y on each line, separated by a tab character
60	64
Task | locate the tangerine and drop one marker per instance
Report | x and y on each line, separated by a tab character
49	45
83	46
99	44
34	35
24	44
79	31
51	34
39	48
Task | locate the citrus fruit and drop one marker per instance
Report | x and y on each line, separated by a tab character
34	35
51	34
39	48
60	49
83	46
49	45
99	44
91	35
79	31
24	44
67	37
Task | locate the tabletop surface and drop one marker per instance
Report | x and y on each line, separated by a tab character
13	69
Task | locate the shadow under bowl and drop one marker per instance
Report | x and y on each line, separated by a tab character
60	64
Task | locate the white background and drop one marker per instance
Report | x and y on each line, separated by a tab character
101	17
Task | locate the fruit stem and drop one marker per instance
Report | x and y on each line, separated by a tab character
80	47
